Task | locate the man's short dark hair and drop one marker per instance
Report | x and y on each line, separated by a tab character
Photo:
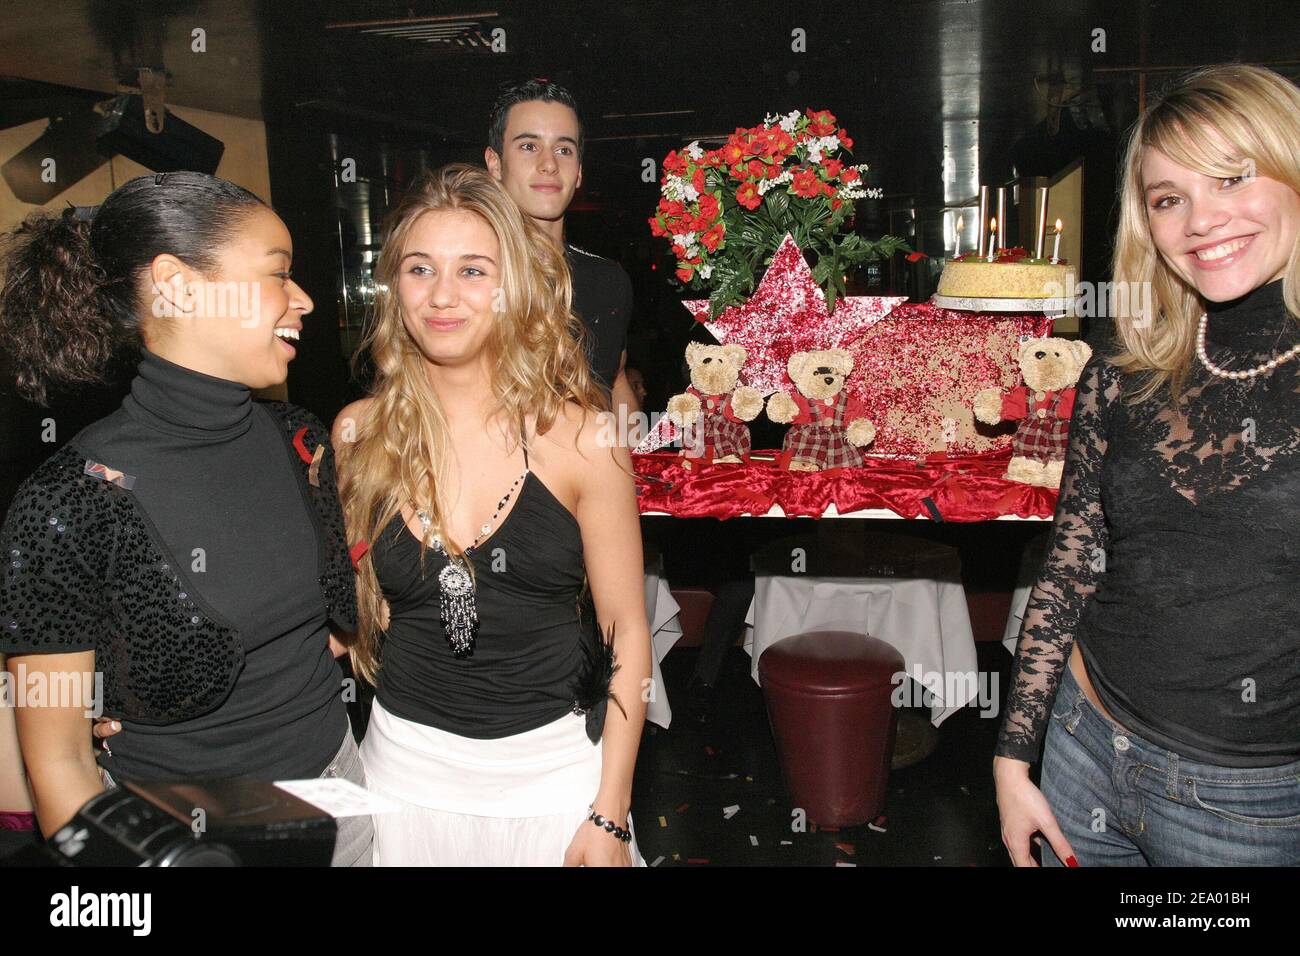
527	92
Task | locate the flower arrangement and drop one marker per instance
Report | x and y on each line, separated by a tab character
726	210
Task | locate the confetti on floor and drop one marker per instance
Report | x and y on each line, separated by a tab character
844	863
753	840
683	808
658	860
787	843
677	857
965	789
877	824
663	821
938	858
847	848
731	811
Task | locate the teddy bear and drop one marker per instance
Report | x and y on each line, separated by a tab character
1043	406
828	426
713	410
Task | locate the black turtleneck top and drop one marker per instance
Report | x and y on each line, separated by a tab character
213	477
1175	555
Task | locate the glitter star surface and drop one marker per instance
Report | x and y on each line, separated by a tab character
786	314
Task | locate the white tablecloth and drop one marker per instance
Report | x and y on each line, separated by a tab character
926	620
665	630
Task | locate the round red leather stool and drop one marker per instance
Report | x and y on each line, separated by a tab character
828	697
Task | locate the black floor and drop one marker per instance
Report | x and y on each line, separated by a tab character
939	812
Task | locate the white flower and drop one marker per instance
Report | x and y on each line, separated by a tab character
789	121
769	119
705	270
690	193
674	186
692	250
694	151
814	150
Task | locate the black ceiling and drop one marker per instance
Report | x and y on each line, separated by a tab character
935	92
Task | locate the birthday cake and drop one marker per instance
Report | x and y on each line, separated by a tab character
1012	274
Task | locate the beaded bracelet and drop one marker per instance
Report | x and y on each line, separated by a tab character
609	826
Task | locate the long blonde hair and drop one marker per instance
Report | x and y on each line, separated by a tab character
1256	113
401	449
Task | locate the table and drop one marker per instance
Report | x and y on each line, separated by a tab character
921	612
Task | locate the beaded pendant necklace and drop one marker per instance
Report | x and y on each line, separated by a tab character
458	609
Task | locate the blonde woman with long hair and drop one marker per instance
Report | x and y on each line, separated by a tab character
508	709
1167	606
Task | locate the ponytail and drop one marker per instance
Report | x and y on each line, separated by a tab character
52	326
71	297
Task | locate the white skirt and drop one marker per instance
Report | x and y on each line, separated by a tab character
512	801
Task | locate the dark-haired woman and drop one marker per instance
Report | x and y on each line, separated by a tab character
187	550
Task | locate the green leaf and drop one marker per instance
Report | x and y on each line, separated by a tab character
778	204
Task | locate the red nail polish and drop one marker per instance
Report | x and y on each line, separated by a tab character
1071	861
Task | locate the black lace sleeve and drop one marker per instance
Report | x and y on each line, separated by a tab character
1075	556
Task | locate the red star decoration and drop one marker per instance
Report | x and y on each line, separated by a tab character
787	314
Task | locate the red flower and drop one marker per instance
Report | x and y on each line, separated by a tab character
739	171
747	195
820	123
806	184
679	225
836	203
832	168
656	227
675	163
844	139
697	180
850	175
782	143
916	256
708	207
671	207
757	169
684	273
828	189
714	236
712	157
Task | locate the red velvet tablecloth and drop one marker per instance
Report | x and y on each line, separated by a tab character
966	488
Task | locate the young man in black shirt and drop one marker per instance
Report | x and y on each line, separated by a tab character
535	151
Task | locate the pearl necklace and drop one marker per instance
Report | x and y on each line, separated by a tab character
1245	373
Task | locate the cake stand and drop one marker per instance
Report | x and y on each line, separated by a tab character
1054	307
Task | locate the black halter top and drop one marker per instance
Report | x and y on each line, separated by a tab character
534	617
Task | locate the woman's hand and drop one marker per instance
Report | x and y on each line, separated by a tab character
593	846
105	727
1025	811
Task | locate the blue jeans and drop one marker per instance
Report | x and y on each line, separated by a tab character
1123	801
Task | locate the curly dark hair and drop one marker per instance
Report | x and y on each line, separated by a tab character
71	296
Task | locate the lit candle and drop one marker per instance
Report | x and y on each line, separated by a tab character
983	220
1056	243
956	250
1040	234
1002	214
993	236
